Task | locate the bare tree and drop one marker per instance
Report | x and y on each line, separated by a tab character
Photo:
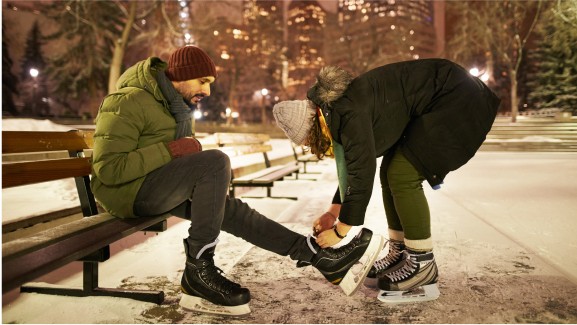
499	31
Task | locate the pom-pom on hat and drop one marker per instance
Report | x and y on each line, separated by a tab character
190	62
294	118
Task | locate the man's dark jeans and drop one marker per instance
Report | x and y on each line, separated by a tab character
195	187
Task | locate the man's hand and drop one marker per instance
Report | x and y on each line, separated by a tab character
184	146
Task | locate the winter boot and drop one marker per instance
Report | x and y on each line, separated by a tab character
348	265
415	281
391	262
205	289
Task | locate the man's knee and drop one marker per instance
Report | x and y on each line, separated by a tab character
218	158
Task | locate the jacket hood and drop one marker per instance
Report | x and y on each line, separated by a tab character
143	75
331	84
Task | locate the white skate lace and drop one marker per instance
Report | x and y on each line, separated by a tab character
392	257
405	272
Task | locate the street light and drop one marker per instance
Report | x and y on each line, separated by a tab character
228	116
34	74
483	75
263	92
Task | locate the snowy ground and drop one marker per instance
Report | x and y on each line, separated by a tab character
504	231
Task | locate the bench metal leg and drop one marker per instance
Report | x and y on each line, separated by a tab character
90	288
296	178
305	168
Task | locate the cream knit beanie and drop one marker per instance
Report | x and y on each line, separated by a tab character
294	118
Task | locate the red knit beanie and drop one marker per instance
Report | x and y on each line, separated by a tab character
190	62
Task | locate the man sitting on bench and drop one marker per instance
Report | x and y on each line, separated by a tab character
146	162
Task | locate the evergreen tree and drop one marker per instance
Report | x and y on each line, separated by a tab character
33	75
80	72
33	58
96	35
554	82
9	80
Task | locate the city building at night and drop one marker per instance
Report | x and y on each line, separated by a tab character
306	21
372	33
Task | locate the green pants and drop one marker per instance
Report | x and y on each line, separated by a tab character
403	196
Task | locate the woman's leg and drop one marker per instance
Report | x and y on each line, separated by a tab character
416	277
393	220
410	203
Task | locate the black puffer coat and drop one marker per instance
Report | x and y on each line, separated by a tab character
432	109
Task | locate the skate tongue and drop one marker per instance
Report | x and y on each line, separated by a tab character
359	233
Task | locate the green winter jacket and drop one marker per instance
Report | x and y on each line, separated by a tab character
132	128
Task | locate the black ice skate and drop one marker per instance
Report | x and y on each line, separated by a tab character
415	281
204	289
390	263
348	265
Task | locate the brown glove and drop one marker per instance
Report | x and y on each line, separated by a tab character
183	147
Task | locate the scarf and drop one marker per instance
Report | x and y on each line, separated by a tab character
180	110
336	151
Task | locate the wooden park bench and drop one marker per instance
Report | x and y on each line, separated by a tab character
303	157
86	239
237	144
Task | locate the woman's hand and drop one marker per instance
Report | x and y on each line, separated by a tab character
329	237
324	222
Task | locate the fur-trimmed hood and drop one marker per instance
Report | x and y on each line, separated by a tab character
331	84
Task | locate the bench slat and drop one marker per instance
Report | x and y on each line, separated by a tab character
275	176
247	179
246	149
227	139
26	141
308	158
31	172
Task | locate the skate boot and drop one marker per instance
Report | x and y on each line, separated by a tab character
415	281
391	262
348	265
205	289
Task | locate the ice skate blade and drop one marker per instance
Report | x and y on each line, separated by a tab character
422	293
204	306
358	272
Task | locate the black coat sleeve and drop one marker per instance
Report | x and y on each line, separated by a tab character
356	135
337	197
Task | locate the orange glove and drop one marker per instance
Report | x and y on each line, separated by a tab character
183	147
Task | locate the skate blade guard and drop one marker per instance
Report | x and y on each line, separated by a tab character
198	304
421	293
358	272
